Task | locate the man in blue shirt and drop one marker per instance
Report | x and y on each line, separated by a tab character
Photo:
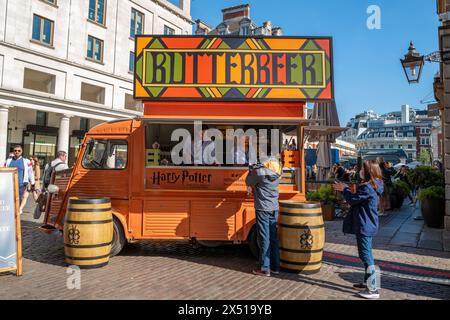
24	168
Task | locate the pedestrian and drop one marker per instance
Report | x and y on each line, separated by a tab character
30	188
387	172
24	169
264	178
362	220
59	164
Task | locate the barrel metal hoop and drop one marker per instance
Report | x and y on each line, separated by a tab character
300	205
89	222
301	227
301	263
87	246
88	258
300	214
301	251
75	210
89	201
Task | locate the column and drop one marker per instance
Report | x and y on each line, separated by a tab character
64	134
445	73
3	134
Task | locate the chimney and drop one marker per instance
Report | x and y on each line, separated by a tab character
236	12
405	114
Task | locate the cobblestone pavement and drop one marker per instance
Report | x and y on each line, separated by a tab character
167	270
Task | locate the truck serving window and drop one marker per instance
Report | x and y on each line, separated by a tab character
106	154
216	145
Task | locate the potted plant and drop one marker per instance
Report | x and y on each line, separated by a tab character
430	183
433	205
400	190
327	199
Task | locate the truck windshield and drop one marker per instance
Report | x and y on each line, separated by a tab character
106	154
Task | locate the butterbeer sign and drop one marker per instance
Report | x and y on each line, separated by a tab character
233	68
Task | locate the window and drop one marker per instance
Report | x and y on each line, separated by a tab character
97	11
51	1
41	118
381	146
424	141
410	155
410	146
84	124
245	31
106	155
39	81
400	134
92	93
410	134
43	30
168	31
95	49
391	146
131	104
137	23
131	63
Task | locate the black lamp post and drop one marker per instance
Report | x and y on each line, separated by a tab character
413	64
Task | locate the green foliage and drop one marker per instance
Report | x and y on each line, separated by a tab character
424	177
425	157
325	195
402	186
434	192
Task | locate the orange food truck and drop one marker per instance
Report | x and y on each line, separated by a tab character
260	83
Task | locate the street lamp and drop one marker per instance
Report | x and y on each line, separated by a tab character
413	64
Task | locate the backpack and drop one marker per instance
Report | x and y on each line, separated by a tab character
48	173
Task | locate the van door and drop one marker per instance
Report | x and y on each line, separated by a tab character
103	170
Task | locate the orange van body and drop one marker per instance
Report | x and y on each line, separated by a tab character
176	213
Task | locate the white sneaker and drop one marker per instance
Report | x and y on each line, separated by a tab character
367	294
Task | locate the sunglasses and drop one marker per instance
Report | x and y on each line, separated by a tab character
17	150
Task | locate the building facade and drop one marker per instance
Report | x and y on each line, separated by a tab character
237	21
409	129
66	66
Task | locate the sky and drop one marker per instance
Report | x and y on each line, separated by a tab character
367	70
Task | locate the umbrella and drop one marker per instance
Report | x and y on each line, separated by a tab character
326	114
399	165
414	164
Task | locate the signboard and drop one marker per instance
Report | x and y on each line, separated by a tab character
233	68
10	235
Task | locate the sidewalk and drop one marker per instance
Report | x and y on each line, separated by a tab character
176	270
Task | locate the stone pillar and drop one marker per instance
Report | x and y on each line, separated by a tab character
64	134
444	34
3	134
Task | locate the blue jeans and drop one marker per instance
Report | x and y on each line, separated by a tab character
267	226
365	253
22	189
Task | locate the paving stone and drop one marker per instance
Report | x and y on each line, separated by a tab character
430	244
410	227
431	234
176	270
405	239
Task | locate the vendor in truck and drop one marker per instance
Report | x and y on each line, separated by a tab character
264	178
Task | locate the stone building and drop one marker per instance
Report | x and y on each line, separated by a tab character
67	65
237	21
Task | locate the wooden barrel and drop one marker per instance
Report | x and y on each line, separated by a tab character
302	236
88	232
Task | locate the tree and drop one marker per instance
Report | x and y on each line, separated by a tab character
425	157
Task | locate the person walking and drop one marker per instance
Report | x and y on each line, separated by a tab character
24	168
387	172
264	179
34	190
59	164
362	221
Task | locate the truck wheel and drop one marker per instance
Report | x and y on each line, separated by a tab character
118	238
253	242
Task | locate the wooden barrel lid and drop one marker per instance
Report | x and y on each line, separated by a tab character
300	204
